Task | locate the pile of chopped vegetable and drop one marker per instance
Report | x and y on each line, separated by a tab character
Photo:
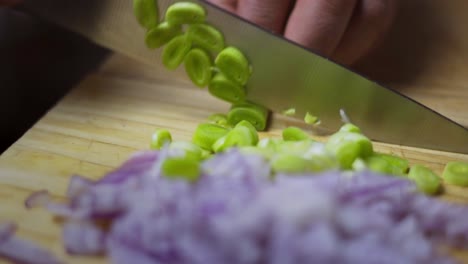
235	212
228	196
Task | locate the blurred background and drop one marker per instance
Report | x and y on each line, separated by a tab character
39	63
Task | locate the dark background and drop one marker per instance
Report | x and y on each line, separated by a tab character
39	63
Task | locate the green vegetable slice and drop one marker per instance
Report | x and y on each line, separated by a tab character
206	135
426	180
198	67
188	150
206	36
146	13
290	163
240	136
289	112
456	173
185	13
158	36
233	63
348	146
181	168
294	134
225	89
255	114
174	52
251	128
311	119
160	138
219	119
348	127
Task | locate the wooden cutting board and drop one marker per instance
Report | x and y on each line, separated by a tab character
113	112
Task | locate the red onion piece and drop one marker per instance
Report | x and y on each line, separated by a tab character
37	199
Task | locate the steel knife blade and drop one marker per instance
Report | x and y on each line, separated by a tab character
285	75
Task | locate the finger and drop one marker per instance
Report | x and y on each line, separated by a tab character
229	5
371	20
319	24
266	13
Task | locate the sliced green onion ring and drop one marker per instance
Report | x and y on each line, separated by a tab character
225	89
425	179
160	138
185	13
255	114
161	34
233	63
289	112
348	146
181	168
198	66
206	36
175	51
187	150
456	173
311	119
219	119
294	134
206	134
146	13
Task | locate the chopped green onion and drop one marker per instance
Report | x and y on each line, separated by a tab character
294	134
206	36
299	148
348	127
207	134
289	112
161	34
181	168
252	129
160	138
456	173
225	89
384	163
426	180
188	150
219	119
290	163
239	136
348	146
233	63
311	119
255	114
146	13
174	52
198	67
399	165
185	13
219	145
269	143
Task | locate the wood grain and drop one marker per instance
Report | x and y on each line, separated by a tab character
112	113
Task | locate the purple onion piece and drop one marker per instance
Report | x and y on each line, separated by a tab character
37	199
83	238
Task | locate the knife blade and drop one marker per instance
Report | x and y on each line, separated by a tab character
286	75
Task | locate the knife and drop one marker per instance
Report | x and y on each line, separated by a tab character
286	75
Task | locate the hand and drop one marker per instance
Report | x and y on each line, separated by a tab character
344	30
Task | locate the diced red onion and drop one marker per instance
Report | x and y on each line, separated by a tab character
37	199
83	238
22	251
236	214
